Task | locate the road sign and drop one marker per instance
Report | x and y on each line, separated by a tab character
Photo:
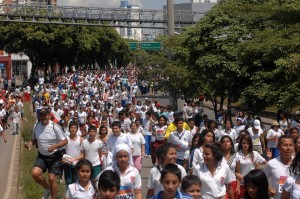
150	45
133	45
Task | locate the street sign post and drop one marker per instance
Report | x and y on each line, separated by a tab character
145	45
151	45
133	45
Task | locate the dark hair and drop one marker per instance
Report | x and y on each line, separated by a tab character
132	124
197	135
283	137
92	127
215	149
232	151
162	116
116	123
171	168
72	123
210	122
109	179
249	140
102	127
178	119
203	134
84	162
295	168
294	128
259	179
163	150
188	181
191	120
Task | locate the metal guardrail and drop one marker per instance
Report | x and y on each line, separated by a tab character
114	17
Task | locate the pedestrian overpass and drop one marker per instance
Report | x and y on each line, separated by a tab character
93	16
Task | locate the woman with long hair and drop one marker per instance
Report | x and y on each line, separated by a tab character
207	135
248	160
229	158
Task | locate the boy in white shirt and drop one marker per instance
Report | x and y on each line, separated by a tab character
117	137
15	117
91	149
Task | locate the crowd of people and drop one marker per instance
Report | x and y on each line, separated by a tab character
95	132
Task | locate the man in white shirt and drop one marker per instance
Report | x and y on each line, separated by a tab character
49	138
57	112
278	168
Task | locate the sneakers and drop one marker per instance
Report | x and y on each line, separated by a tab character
46	194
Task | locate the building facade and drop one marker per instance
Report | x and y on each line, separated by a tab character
130	33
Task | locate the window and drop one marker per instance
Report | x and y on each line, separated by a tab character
19	67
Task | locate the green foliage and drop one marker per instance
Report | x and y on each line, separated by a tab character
245	50
66	45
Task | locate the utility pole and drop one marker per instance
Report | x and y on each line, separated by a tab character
170	17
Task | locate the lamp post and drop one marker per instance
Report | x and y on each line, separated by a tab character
170	17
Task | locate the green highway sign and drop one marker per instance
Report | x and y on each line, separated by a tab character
150	45
133	45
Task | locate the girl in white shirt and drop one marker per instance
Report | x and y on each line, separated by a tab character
138	142
131	183
272	136
248	159
229	158
84	187
215	176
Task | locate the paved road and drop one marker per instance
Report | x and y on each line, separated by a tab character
8	161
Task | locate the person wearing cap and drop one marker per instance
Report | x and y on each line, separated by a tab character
272	136
256	134
48	138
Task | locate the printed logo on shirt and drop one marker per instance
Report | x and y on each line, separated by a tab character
132	178
222	179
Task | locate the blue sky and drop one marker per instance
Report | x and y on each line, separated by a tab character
146	4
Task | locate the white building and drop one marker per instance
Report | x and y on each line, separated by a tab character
131	33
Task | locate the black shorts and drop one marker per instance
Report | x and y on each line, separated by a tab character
51	163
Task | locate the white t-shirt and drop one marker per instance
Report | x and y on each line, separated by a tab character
181	141
154	178
278	173
47	136
292	188
2	113
247	163
255	136
137	140
113	140
130	181
232	133
82	117
92	150
198	157
231	166
213	186
272	133
76	191
160	132
57	114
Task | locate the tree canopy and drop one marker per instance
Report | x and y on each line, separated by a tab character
248	50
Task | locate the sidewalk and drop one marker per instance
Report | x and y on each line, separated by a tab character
265	120
10	172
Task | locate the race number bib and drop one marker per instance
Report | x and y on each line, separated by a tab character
282	179
125	193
